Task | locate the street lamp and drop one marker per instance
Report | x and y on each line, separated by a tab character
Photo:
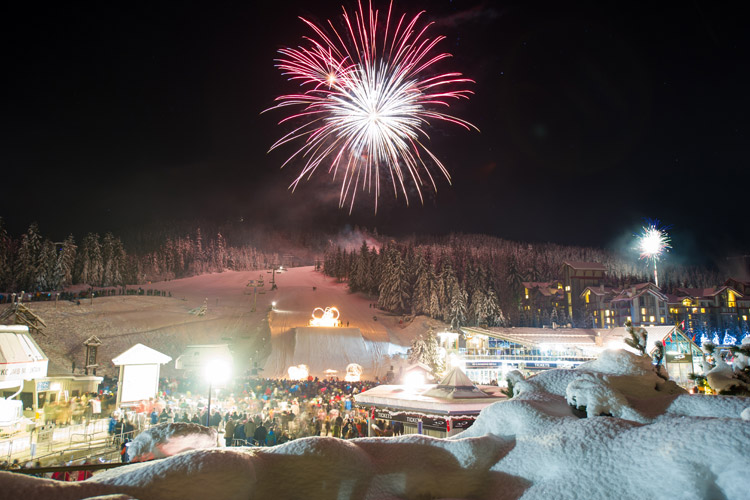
216	371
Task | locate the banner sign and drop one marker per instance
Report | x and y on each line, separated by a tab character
23	371
433	422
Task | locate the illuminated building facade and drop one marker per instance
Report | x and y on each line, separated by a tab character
576	277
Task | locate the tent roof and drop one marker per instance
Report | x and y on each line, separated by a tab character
456	385
18	349
139	354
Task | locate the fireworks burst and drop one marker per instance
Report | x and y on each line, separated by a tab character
369	94
652	243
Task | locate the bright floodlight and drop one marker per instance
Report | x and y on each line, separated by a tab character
273	304
217	371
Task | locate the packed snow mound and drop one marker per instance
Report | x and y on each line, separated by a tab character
165	440
662	444
618	362
594	392
618	383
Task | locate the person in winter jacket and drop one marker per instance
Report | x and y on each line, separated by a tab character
229	431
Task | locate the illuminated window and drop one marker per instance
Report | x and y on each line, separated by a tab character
695	310
587	297
559	286
596	313
606	313
731	299
686	302
608	320
744	317
651	319
662	320
526	292
630	319
567	288
643	311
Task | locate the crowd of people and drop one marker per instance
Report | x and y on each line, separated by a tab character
266	412
251	411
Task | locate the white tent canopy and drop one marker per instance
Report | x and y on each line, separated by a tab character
139	354
456	385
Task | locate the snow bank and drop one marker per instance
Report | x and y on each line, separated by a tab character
165	440
664	445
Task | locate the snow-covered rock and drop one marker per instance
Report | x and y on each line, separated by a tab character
165	440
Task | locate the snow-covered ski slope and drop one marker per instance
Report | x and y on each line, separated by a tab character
166	324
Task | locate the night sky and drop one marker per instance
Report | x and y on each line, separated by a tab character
592	116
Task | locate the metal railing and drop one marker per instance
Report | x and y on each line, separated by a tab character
526	357
74	438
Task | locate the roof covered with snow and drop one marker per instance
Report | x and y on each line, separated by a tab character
585	266
21	353
537	336
140	354
423	398
456	385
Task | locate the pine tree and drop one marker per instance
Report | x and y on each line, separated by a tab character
95	261
358	273
28	265
456	314
6	259
393	293
65	262
45	276
426	350
421	296
638	337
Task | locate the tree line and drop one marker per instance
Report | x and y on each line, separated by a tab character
478	280
33	263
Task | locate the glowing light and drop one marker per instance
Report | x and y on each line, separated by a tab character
299	372
353	372
369	94
414	379
217	371
653	242
325	317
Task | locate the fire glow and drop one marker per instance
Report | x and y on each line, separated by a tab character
327	317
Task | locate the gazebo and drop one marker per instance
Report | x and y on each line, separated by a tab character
438	410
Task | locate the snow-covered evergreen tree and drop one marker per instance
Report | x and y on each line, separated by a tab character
394	288
426	350
65	263
420	303
456	314
28	266
6	258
